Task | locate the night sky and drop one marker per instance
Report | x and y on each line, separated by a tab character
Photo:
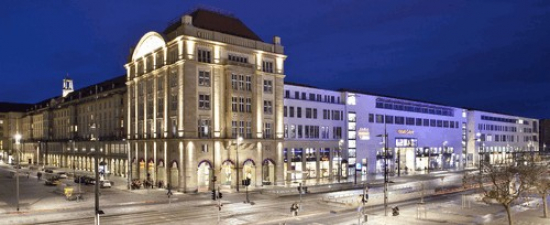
490	55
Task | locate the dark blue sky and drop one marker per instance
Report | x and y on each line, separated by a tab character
490	55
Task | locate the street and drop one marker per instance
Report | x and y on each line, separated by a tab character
42	204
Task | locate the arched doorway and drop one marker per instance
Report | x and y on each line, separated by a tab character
203	176
226	175
161	179
268	170
174	175
151	170
142	171
249	171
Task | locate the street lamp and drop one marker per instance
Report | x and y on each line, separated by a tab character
17	145
385	140
239	140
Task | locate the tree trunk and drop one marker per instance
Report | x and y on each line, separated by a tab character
507	207
545	205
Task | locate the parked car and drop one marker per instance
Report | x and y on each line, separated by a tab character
105	184
62	175
48	171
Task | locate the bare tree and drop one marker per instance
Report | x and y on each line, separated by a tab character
539	182
501	184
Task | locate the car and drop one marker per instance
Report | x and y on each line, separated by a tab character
62	175
48	171
105	184
90	180
52	182
82	179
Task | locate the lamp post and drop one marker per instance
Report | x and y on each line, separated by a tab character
239	140
17	145
385	141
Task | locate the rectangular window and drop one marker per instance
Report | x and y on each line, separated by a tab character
439	123
204	78
314	113
204	128
409	121
268	109
433	123
241	104
267	66
248	83
298	112
292	131
299	131
308	113
337	132
446	123
204	101
234	104
291	111
248	105
268	131
268	86
237	58
399	120
426	122
389	119
379	118
371	118
204	56
418	122
234	81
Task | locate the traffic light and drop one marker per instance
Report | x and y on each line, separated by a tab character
220	195
213	195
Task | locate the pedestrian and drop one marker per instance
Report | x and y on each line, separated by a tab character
39	175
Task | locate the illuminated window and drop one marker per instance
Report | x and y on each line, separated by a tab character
204	101
204	56
204	78
267	66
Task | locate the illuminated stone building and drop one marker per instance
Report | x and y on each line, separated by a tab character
10	125
193	90
66	130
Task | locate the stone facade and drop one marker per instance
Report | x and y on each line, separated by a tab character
192	92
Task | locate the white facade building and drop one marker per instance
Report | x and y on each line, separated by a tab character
497	138
420	136
314	130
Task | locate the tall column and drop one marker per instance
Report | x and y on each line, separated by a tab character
190	168
279	170
182	181
181	99
166	97
167	165
330	161
317	163
259	168
154	175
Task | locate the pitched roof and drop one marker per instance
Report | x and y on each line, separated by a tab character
216	21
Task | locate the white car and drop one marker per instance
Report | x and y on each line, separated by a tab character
62	175
105	184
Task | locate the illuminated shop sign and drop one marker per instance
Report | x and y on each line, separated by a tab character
363	133
405	142
403	131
